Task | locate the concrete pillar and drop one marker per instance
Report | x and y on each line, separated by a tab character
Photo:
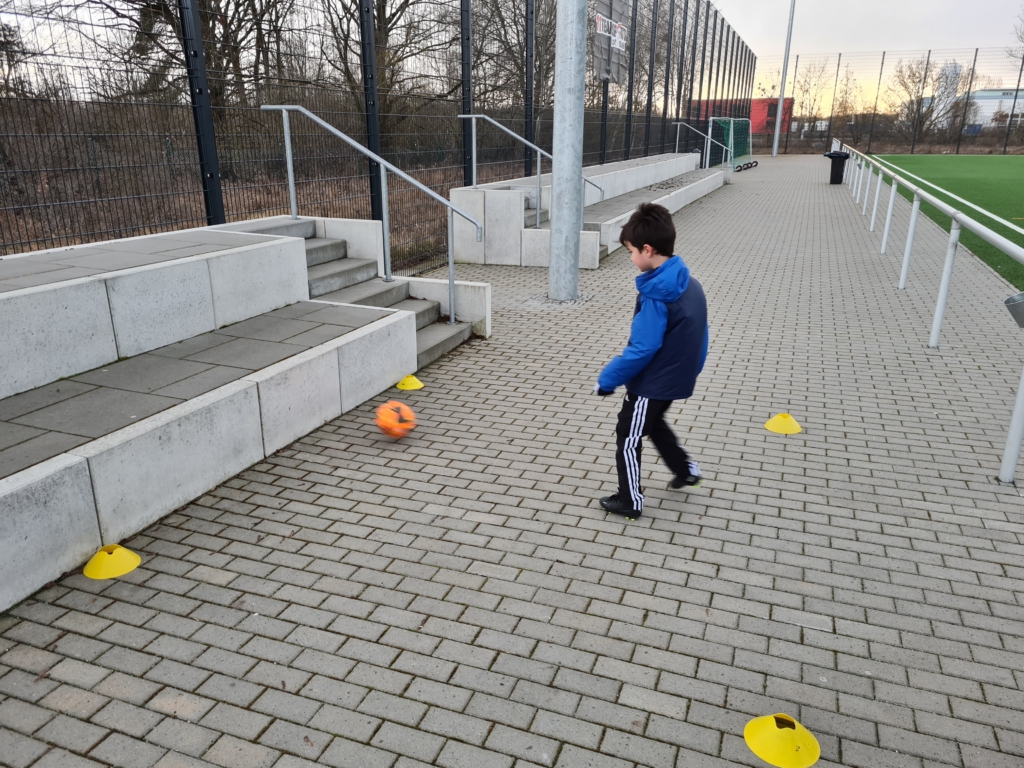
566	187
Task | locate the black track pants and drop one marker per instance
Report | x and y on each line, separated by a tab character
638	418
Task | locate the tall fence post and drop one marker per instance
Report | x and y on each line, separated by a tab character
718	67
668	72
709	109
967	102
650	78
789	126
604	120
723	102
682	64
730	94
748	83
469	149
202	109
629	87
832	111
920	101
531	43
1009	123
693	65
367	46
703	63
874	112
751	82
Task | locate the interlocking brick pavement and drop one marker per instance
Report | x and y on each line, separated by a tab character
458	599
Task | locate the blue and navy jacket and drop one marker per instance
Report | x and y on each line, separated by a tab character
669	340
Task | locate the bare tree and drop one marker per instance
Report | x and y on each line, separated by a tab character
936	101
13	53
846	106
809	90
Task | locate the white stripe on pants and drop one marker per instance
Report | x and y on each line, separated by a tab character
636	430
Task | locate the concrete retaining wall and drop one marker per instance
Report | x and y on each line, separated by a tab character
55	515
47	525
536	249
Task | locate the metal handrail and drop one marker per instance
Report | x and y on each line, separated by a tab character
701	133
959	221
532	146
385	166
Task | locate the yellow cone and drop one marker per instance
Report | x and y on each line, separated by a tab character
410	382
781	741
784	424
110	562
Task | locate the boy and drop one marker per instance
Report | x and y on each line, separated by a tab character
667	348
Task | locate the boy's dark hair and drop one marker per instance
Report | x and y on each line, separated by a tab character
650	224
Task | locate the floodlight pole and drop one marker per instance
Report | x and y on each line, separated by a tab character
780	113
567	149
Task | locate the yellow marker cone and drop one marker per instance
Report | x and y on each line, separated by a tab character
410	382
783	424
110	562
781	741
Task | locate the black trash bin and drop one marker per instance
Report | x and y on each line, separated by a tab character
838	163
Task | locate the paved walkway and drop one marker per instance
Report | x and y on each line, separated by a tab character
458	599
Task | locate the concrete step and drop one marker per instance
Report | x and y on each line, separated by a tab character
371	293
337	275
320	250
530	217
305	228
427	312
438	339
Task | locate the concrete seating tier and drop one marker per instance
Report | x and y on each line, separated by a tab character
143	293
94	459
132	385
332	272
510	209
49	420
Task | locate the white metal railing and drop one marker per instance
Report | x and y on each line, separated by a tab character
859	181
706	159
385	166
540	152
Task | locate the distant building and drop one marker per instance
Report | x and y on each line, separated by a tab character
993	105
763	112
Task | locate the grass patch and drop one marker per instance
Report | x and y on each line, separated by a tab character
992	182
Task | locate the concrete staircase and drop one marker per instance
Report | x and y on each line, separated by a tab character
333	276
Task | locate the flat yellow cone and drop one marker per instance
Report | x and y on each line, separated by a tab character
110	562
781	741
783	424
410	382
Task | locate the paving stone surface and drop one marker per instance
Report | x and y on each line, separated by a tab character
458	599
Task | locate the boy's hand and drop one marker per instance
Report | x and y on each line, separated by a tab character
601	392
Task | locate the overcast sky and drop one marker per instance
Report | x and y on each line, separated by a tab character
872	25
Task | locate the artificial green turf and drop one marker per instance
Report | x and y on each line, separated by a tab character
993	182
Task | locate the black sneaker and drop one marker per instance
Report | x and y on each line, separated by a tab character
619	506
693	479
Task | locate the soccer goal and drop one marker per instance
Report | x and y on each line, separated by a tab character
733	133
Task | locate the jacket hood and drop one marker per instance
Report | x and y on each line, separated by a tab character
666	283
